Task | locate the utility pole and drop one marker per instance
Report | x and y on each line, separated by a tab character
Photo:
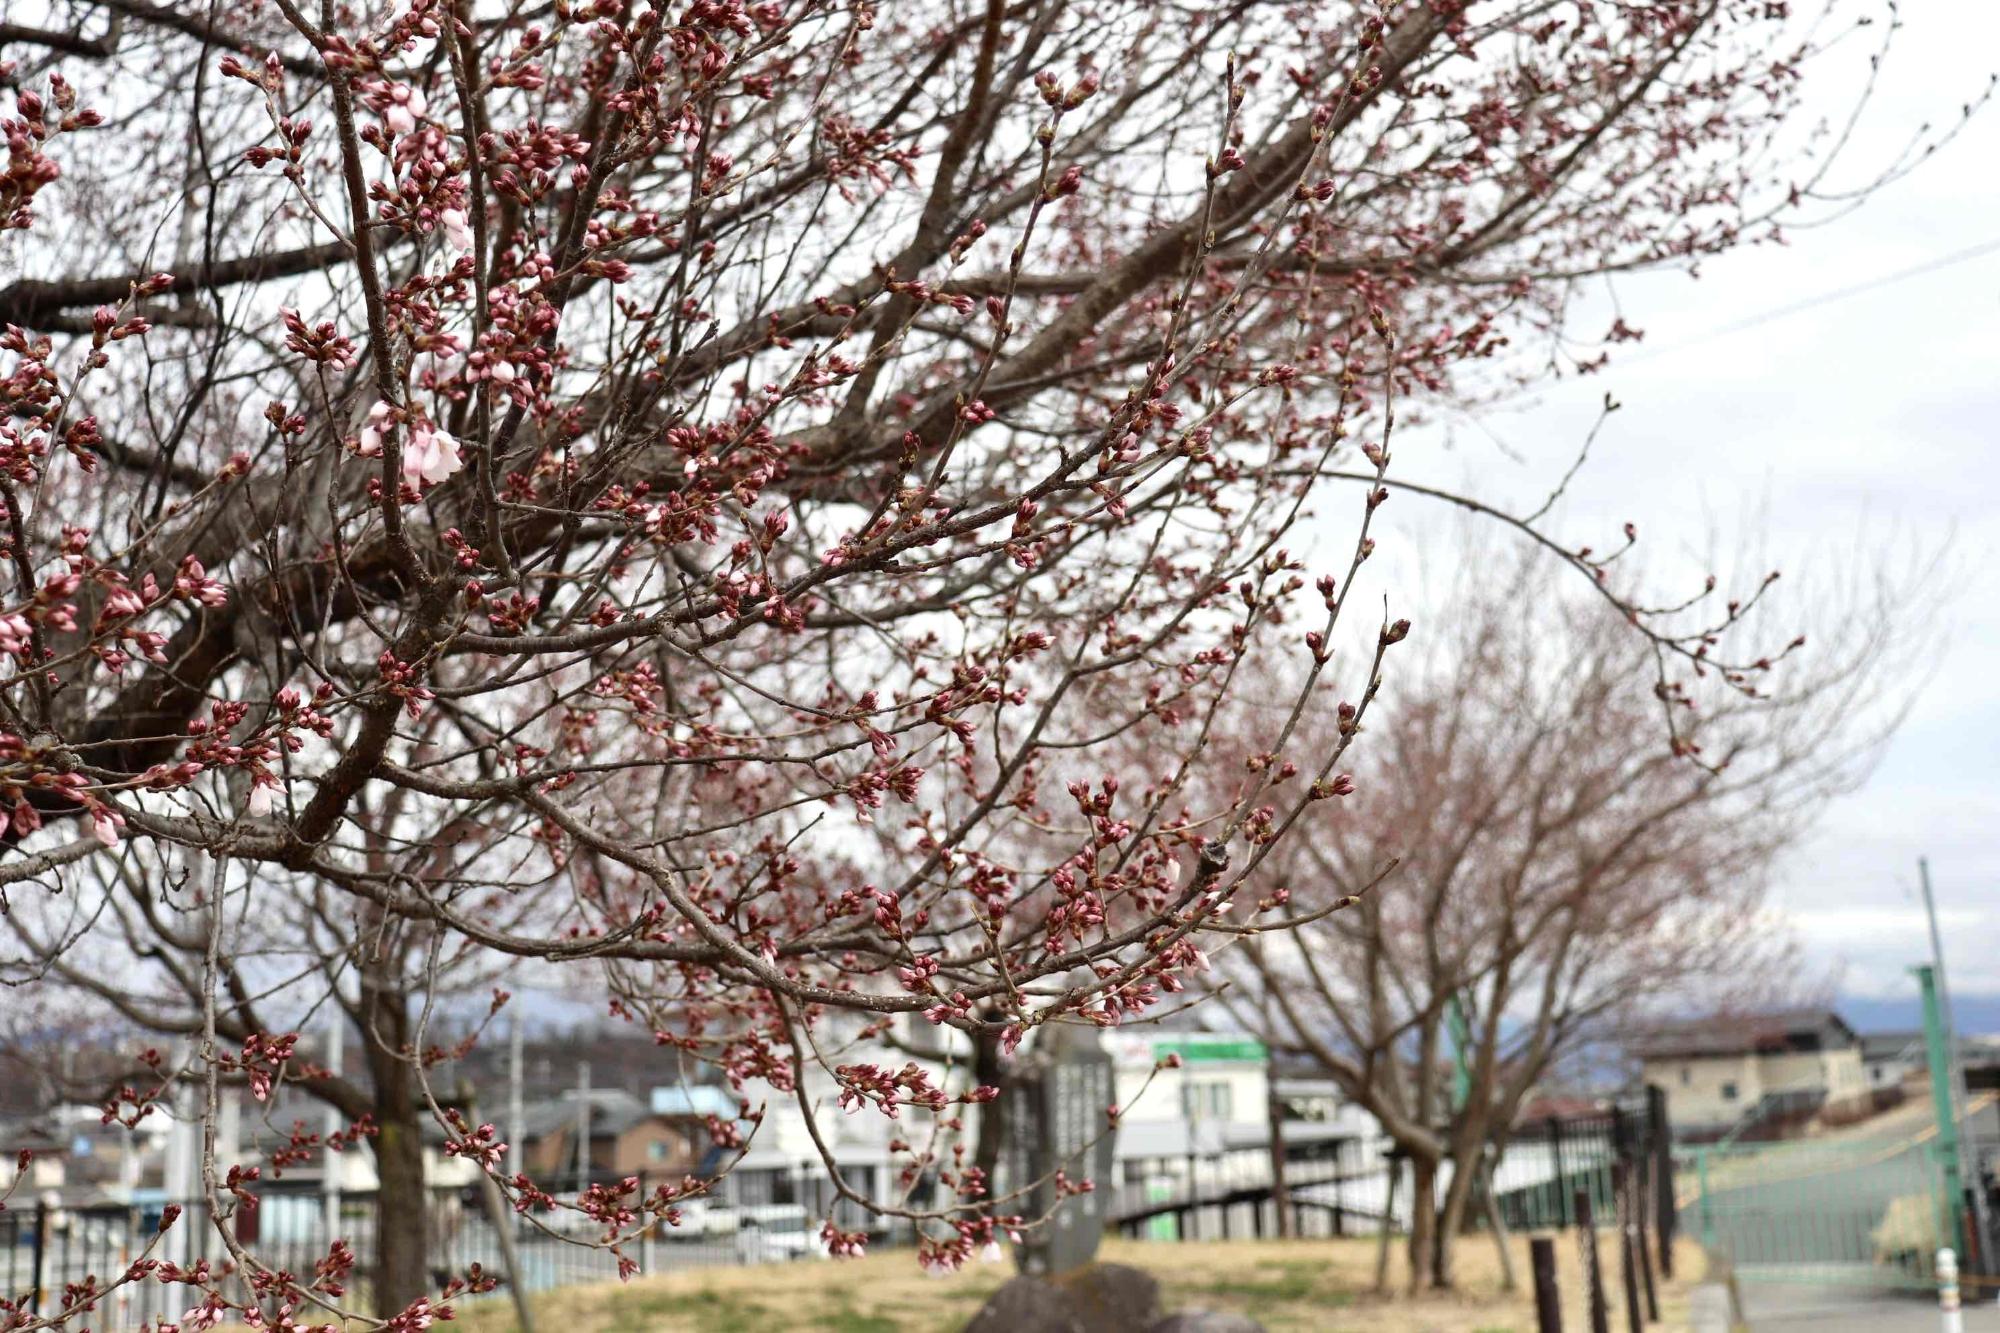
1947	1124
1954	1067
582	1126
515	1120
1943	991
498	1215
329	1185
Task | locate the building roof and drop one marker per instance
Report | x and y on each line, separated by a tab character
612	1112
1744	1034
1541	1109
1892	1045
683	1101
1910	1045
34	1135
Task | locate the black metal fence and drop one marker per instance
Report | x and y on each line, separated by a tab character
46	1252
1533	1182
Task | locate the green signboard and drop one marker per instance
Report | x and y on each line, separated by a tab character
1213	1050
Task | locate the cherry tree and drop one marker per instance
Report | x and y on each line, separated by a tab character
714	492
1521	852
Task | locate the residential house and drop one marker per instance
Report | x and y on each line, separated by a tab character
782	1164
79	1160
1890	1058
47	1157
627	1137
1756	1074
1893	1058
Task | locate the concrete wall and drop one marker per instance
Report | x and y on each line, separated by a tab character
1710	1091
1223	1092
1707	1091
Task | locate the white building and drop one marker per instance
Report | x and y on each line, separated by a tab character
1195	1116
1740	1073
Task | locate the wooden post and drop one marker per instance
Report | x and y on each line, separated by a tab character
1593	1274
1388	1222
1666	1214
1281	1194
1548	1300
1645	1255
1628	1265
40	1255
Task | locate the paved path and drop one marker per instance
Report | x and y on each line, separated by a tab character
1774	1307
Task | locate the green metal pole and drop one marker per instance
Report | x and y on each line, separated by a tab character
1707	1208
1461	1044
1947	1123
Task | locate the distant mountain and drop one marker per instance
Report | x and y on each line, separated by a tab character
1974	1013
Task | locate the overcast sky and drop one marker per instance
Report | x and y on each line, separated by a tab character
1856	426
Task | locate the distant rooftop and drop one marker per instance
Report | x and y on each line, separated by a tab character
700	1099
1744	1034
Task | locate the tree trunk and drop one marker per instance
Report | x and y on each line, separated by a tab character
402	1212
1451	1221
1423	1220
989	1071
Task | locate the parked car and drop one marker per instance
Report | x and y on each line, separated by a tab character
774	1231
704	1219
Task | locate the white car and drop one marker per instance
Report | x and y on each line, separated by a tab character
703	1219
773	1231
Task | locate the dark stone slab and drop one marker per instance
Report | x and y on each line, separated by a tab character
1113	1298
1102	1298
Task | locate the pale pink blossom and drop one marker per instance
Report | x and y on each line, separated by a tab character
457	229
431	455
193	584
258	805
372	434
403	106
15	634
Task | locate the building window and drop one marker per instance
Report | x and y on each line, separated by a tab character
1729	1092
1206	1101
1687	1075
656	1151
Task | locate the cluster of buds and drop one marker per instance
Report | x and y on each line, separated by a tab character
29	169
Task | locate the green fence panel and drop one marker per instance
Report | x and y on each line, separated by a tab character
1870	1212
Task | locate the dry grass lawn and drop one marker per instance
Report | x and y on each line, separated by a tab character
1308	1286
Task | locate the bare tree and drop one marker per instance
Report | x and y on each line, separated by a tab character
1555	870
496	482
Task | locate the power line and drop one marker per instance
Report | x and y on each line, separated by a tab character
1957	257
1841	294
